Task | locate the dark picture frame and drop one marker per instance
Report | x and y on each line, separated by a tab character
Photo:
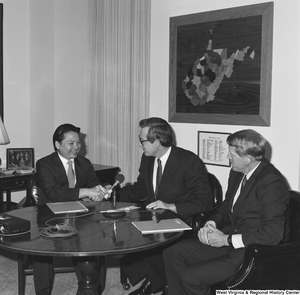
241	41
20	158
213	148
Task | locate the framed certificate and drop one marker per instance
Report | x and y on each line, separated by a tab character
213	148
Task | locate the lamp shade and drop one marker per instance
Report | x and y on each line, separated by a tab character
3	134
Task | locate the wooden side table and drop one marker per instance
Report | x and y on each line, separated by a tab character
9	183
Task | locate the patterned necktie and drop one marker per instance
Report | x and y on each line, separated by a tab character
71	175
158	175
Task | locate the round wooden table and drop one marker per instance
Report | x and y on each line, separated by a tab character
98	235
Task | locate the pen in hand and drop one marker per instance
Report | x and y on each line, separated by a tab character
157	220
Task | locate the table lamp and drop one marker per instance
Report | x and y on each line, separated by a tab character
3	136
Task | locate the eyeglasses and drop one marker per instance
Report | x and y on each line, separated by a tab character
142	140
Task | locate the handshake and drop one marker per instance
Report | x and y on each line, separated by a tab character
98	193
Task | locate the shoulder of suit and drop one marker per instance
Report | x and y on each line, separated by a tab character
82	159
182	151
268	168
48	158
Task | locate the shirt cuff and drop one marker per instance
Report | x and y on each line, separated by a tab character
237	241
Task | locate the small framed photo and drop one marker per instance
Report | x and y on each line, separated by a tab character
213	148
22	158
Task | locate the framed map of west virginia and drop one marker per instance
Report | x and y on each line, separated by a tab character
221	66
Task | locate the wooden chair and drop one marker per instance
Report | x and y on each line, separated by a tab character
60	264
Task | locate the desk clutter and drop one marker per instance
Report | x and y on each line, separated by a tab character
16	171
62	230
11	225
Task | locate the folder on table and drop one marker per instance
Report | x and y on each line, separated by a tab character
163	226
67	207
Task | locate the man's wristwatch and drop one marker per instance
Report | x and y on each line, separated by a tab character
229	240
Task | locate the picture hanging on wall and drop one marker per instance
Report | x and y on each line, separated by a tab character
221	66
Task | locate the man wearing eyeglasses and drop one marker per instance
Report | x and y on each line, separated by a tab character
169	178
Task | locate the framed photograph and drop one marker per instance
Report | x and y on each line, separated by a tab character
213	148
22	158
221	66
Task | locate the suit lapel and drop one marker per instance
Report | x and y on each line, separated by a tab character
250	183
149	179
78	172
237	182
61	172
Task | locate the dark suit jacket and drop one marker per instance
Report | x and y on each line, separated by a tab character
184	182
53	181
259	212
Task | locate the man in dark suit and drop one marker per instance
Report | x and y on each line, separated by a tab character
53	180
253	211
63	176
182	187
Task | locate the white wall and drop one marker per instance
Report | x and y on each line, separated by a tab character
284	132
45	75
45	45
58	68
16	74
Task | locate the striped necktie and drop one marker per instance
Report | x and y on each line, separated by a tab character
71	175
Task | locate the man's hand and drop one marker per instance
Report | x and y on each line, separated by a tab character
211	236
95	193
161	205
204	232
105	190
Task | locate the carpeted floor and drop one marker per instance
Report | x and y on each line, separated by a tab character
64	284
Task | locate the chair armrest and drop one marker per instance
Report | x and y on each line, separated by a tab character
265	250
263	266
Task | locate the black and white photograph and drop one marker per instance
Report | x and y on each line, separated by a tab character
20	158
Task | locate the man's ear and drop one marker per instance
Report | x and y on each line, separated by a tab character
250	159
57	145
157	142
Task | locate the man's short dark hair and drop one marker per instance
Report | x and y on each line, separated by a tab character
158	129
248	142
59	133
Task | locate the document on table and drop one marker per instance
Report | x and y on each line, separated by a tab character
163	226
67	207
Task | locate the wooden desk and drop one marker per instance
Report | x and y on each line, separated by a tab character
97	236
18	182
9	183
